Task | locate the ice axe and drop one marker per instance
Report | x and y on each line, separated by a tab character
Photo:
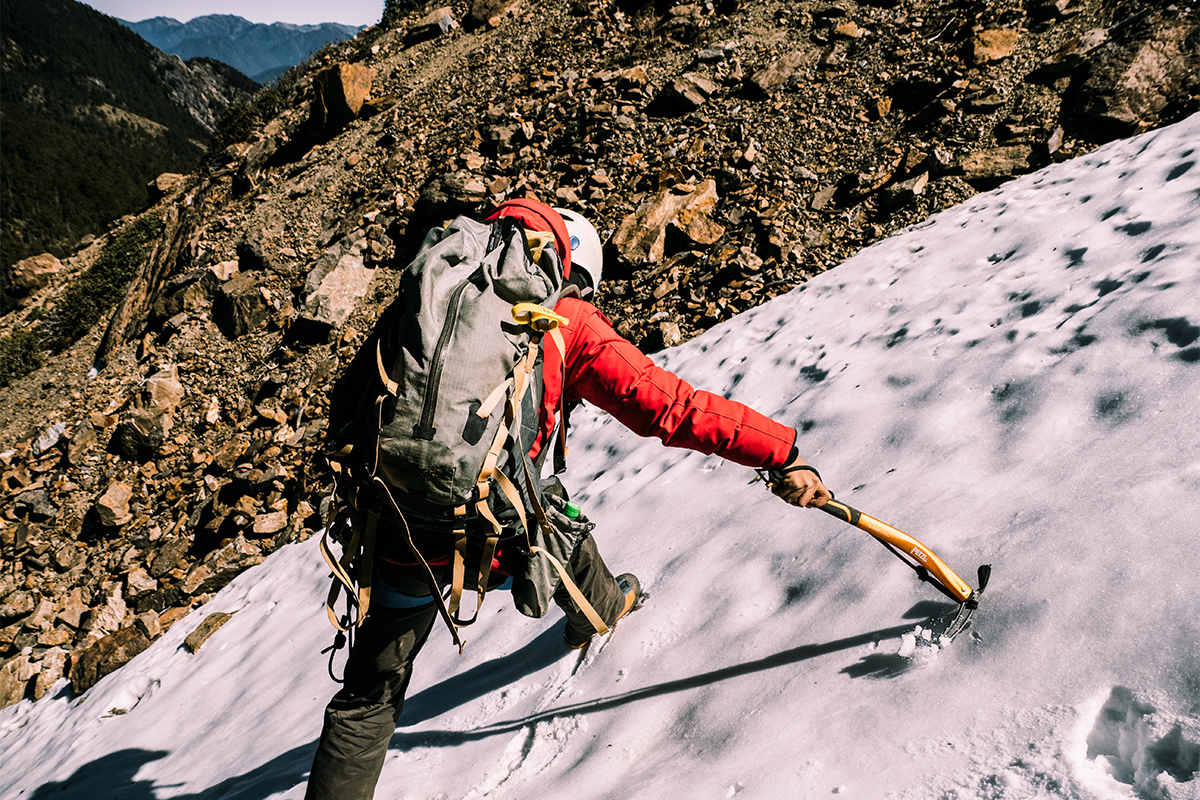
922	560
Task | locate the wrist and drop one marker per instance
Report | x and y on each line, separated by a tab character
795	464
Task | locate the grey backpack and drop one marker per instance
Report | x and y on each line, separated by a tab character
441	434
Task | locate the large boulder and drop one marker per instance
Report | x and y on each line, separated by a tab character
14	679
211	624
341	91
686	211
52	668
191	292
33	273
1131	81
105	656
112	507
240	305
775	75
682	95
163	389
162	186
436	23
491	12
141	433
333	300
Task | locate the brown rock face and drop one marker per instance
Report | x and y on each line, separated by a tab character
994	45
239	306
113	505
211	624
14	680
34	273
1131	83
341	91
643	234
105	656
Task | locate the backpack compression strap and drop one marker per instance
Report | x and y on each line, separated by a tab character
358	592
519	383
430	578
543	320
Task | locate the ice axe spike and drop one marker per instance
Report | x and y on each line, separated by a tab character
921	559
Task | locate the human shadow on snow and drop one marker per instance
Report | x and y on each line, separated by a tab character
113	776
445	689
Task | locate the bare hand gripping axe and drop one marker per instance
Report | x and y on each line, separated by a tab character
922	560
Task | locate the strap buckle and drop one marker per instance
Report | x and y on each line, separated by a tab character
540	318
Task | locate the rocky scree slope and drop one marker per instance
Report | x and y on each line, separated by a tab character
726	152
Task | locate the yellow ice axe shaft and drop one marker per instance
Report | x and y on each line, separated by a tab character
922	558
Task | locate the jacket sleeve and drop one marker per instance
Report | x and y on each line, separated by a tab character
609	372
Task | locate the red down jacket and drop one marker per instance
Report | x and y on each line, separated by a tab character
607	371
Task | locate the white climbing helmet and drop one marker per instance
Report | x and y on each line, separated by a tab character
587	253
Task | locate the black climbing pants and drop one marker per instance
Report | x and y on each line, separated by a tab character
362	716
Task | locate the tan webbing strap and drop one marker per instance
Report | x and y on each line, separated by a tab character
514	497
561	451
489	404
572	589
342	581
331	602
374	465
576	594
458	573
521	382
510	491
485	511
339	584
365	569
389	384
485	573
556	337
430	578
486	473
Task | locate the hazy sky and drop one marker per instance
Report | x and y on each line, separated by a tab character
300	12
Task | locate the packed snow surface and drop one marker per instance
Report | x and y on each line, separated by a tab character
1015	382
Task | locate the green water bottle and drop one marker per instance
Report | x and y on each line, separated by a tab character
573	510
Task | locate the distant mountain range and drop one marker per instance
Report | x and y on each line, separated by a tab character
263	52
91	113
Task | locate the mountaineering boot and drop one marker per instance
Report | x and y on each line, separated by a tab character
631	588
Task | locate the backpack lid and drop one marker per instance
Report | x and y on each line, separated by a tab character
537	216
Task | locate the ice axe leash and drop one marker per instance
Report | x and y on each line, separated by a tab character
923	561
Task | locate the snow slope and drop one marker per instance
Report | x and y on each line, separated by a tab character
1014	382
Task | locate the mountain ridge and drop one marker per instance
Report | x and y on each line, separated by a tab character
74	153
263	51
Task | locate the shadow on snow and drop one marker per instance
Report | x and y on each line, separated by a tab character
114	776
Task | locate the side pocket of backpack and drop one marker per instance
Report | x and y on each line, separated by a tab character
534	587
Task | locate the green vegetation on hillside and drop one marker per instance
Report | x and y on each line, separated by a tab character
393	10
20	354
84	302
101	287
